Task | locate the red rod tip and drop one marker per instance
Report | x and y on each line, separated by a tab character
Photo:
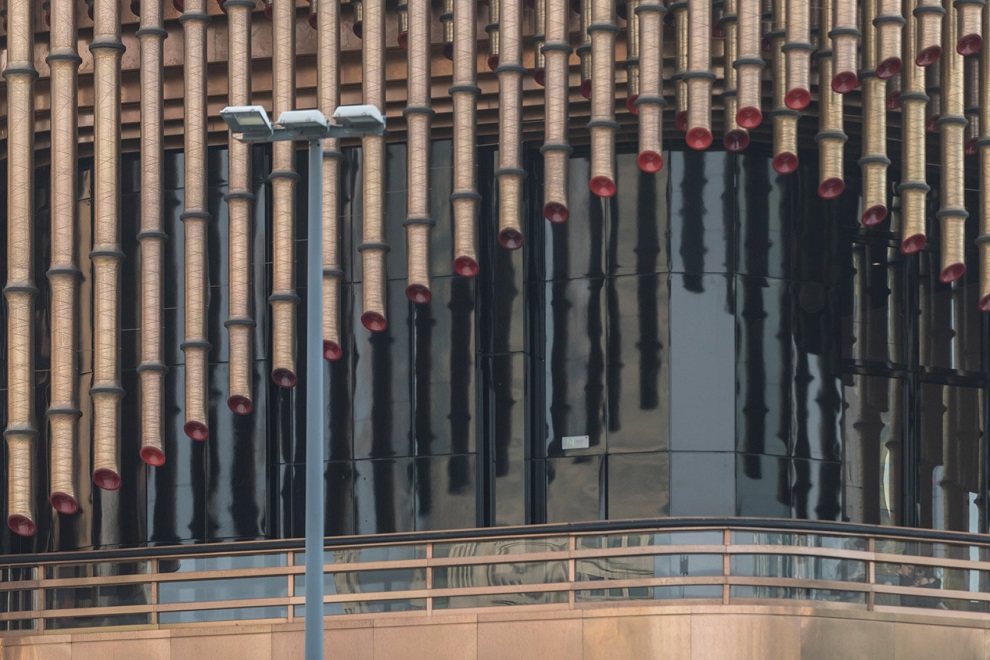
985	303
680	121
240	405
951	273
312	21
893	101
845	82
971	148
493	62
555	212
374	321
332	351
448	51
403	40
196	431
151	456
913	244
586	89
749	117
64	503
969	45
284	377
874	215
466	266
736	140
358	28
928	56
106	479
889	68
540	76
21	525
699	138
649	161
418	294
785	163
831	188
931	126
797	99
602	186
510	239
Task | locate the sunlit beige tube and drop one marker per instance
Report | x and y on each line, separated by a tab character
240	200
969	33
889	23
556	149
494	33
933	88
749	64
831	138
464	198
874	162
510	172
952	212
983	242
419	116
64	273
632	57
195	219
447	21
152	237
373	246
844	36
699	76
928	31
650	14
539	38
603	125
913	188
328	62
785	157
20	289
971	73
798	51
584	49
284	178
106	255
682	28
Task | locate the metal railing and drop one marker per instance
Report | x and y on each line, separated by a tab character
727	562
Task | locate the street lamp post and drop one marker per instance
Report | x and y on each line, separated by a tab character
251	124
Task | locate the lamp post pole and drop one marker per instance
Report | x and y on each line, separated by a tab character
315	408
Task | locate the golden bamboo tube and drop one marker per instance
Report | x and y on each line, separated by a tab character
785	158
584	49
749	64
632	57
447	21
650	14
874	162
928	31
510	172
195	219
106	256
971	73
539	38
328	61
969	35
464	93
556	150
933	87
893	101
402	13
952	213
240	200
797	51
152	237
311	19
983	242
736	138
418	115
373	246
831	138
679	11
64	273
889	24
358	25
21	432
913	188
603	126
494	9
844	36
699	76
284	179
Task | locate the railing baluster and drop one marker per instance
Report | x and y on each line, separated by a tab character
571	570
290	561
154	592
726	565
871	574
429	579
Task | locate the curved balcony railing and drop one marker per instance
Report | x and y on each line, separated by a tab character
549	567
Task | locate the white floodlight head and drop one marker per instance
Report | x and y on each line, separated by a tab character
360	120
308	123
249	121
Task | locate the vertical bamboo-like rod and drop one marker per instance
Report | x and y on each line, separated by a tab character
603	125
913	188
798	51
928	16
106	256
831	138
284	179
844	36
889	24
539	38
952	124
650	14
785	158
874	162
749	64
971	73
682	28
152	236
510	172
195	219
632	57
419	116
402	13
933	87
494	33
357	6
699	76
240	200
373	246
447	21
584	49
893	93
983	242
64	273
969	33
464	93
328	55
556	150
21	432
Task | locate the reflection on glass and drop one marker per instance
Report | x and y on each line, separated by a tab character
370	607
111	595
73	623
225	563
497	600
500	547
374	553
199	591
497	575
799	567
102	569
232	614
650	593
794	593
354	582
705	537
630	568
